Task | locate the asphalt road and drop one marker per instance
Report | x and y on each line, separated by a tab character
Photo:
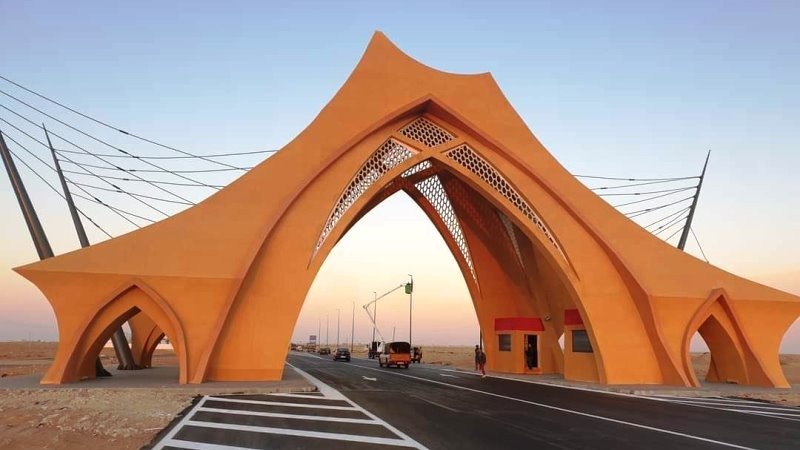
443	409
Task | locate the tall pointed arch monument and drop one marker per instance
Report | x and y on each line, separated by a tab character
541	254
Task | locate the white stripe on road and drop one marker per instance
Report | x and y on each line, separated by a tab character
570	411
287	416
264	402
179	443
179	425
327	389
304	433
788	411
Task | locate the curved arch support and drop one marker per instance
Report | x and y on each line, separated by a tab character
127	301
733	359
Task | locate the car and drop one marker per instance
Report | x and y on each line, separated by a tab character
324	351
341	353
395	354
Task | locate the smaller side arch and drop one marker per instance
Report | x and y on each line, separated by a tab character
124	303
732	355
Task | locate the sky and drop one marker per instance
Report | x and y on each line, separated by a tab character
632	89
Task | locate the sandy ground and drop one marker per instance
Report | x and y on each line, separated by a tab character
81	418
77	419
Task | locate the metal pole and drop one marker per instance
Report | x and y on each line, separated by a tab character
319	331
32	221
118	339
688	226
338	321
327	331
375	316
353	327
410	305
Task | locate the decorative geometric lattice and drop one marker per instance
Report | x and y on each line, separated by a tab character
511	235
426	132
417	168
433	191
386	157
471	161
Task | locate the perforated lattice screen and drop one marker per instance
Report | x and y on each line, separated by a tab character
385	158
512	235
433	191
417	168
471	161
426	132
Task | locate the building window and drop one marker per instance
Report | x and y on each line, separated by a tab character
580	342
505	342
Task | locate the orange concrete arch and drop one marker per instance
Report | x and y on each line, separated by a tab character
718	323
127	301
547	254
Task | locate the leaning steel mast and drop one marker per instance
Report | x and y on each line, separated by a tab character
118	339
32	221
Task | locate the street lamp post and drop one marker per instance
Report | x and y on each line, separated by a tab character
327	330
374	316
353	327
338	320
410	292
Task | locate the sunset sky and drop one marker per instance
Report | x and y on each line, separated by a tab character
637	89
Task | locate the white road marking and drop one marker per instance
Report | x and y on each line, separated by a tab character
325	388
571	411
264	402
449	376
203	446
369	379
305	433
171	434
287	416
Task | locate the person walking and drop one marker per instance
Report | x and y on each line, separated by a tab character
481	358
529	356
477	349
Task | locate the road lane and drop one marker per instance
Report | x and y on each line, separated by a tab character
445	409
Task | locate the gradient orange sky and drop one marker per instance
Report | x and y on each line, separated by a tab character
631	89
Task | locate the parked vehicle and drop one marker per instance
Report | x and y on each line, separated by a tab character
324	351
341	353
416	354
395	354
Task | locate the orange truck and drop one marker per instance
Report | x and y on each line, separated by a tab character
395	354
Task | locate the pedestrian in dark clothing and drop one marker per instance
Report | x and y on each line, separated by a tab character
477	350
530	356
481	358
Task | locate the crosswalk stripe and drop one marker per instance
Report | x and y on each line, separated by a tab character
288	416
303	433
191	445
276	403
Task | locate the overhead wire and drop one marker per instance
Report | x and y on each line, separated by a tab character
640	212
120	191
218	155
633	179
88	171
656	197
61	194
92	198
698	244
667	217
87	135
107	125
151	170
95	156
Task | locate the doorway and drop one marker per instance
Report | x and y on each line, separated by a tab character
531	352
